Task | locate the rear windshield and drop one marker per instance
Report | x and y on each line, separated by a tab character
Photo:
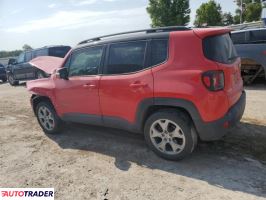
220	48
58	51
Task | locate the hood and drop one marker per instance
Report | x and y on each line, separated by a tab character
47	63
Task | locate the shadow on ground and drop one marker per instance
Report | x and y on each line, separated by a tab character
219	163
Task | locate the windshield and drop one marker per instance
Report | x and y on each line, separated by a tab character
220	49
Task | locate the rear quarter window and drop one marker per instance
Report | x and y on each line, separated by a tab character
220	49
159	51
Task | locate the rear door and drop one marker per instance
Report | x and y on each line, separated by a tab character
221	50
125	82
28	68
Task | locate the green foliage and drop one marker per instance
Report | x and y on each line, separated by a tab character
26	47
15	53
169	13
228	19
209	14
253	12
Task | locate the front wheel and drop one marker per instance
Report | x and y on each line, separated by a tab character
11	80
40	74
170	134
48	118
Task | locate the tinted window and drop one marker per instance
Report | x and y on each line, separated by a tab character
258	36
21	58
28	56
40	52
159	50
239	38
126	57
220	49
58	51
86	61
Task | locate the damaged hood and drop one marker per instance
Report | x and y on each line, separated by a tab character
47	63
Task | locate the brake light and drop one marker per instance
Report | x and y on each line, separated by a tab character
213	80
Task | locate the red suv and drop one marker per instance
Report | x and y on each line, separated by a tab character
173	84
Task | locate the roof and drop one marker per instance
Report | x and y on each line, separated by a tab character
156	33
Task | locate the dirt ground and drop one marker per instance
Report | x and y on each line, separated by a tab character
86	162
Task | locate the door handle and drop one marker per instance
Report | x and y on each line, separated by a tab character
138	84
89	86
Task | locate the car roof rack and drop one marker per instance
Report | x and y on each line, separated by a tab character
151	30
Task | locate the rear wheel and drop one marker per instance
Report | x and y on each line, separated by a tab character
48	118
170	134
11	80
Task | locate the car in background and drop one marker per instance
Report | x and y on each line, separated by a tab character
3	73
21	70
251	47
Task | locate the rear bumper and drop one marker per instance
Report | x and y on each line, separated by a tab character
217	129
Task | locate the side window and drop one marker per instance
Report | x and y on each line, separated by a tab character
86	61
21	58
258	36
41	52
28	56
126	57
238	38
159	51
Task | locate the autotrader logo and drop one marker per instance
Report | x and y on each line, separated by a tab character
26	193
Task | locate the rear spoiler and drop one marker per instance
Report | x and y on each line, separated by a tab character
205	32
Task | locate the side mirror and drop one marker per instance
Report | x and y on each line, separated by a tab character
62	73
12	61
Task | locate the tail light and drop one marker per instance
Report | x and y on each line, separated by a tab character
213	80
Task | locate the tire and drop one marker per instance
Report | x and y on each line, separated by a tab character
48	118
11	80
4	80
170	134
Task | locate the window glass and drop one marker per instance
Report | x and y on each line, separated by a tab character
58	51
258	36
21	58
126	57
28	56
41	52
239	38
159	50
86	62
220	48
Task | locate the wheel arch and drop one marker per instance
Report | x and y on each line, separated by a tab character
35	99
150	106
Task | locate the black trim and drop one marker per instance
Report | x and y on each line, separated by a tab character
83	118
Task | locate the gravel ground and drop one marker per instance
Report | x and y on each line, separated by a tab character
86	162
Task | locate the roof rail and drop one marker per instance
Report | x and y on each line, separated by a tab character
151	30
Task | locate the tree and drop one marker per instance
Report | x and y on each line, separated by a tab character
26	47
209	14
251	11
228	19
169	12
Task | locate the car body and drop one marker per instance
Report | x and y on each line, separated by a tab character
174	84
20	69
251	47
3	73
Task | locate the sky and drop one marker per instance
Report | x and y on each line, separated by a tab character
67	22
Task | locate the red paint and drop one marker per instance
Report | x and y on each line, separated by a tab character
180	77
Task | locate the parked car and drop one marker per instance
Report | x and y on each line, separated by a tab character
251	47
20	69
3	73
173	84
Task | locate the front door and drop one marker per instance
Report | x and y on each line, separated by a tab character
125	83
78	97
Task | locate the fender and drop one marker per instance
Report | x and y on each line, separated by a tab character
145	105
